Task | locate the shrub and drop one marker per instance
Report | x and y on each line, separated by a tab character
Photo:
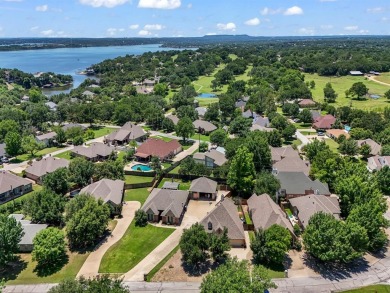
141	218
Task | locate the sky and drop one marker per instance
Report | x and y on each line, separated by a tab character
191	18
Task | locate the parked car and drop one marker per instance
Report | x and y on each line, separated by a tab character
320	134
4	160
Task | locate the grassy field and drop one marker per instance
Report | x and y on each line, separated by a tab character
384	77
45	151
161	264
204	102
182	186
131	179
135	245
371	289
103	131
24	272
202	137
139	194
332	145
341	84
64	155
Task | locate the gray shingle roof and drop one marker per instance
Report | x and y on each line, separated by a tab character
375	147
166	200
71	125
262	121
8	180
218	157
278	154
310	204
265	212
46	165
107	190
30	230
201	111
94	150
207	126
49	135
203	185
225	214
292	165
128	131
174	119
298	183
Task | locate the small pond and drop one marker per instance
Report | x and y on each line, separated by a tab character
206	95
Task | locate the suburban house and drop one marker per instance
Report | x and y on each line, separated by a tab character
296	184
173	118
356	73
291	164
97	151
336	133
250	114
212	158
225	214
13	186
261	128
315	114
166	205
88	94
47	138
306	206
110	191
204	127
201	111
128	132
72	125
148	82
261	121
39	169
52	106
241	105
307	103
264	213
203	188
324	122
375	147
277	154
30	231
154	147
173	185
376	163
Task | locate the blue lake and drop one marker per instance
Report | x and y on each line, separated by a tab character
206	95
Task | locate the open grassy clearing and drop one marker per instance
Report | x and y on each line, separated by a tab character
341	84
182	186
332	145
202	137
204	102
103	131
135	245
371	289
139	194
384	77
132	179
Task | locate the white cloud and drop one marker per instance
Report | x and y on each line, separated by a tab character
269	11
306	31
159	4
134	26
351	28
144	33
364	31
113	31
48	32
230	26
34	28
295	10
211	34
153	27
253	21
326	26
376	10
105	3
42	8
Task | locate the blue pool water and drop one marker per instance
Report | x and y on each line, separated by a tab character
144	168
206	95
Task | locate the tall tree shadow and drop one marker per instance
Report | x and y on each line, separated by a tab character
50	269
12	270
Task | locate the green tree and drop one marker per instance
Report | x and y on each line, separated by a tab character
89	134
73	132
219	244
168	125
274	138
87	219
57	181
78	140
218	137
203	147
92	285
81	171
110	170
237	276
185	128
331	240
279	122
349	147
49	247
290	109
314	148
240	126
242	172
11	232
305	116
365	150
383	179
13	143
212	113
329	93
194	244
387	94
358	90
385	151
8	126
360	133
31	145
257	143
288	132
45	206
141	218
266	183
161	89
155	163
60	135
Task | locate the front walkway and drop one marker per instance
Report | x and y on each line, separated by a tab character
185	153
91	266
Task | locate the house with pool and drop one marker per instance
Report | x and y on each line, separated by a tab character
154	147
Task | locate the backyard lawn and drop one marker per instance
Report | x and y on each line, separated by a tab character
135	245
182	186
131	179
341	84
64	155
371	289
24	272
139	194
103	131
45	151
175	170
202	137
167	139
332	145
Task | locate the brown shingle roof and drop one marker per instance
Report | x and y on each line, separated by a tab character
158	147
335	133
278	154
207	126
107	190
8	180
375	147
307	102
46	165
94	150
324	122
174	119
203	185
292	165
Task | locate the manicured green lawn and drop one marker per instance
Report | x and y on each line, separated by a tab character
203	83
341	84
161	264
103	131
202	137
295	142
302	125
247	218
371	289
64	155
204	102
182	186
175	170
332	145
28	276
288	212
139	194
134	246
131	179
167	139
45	151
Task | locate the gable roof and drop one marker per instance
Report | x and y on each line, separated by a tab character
375	147
292	164
128	131
262	121
261	128
166	200
299	183
174	119
207	126
46	165
51	105
249	114
10	181
30	230
203	185
107	190
315	114
378	162
306	102
336	133
308	205
278	154
324	122
49	135
265	212
94	150
218	157
158	147
201	110
225	214
71	125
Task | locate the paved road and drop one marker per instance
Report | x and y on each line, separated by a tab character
91	266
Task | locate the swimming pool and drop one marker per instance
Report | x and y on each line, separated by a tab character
206	95
140	167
